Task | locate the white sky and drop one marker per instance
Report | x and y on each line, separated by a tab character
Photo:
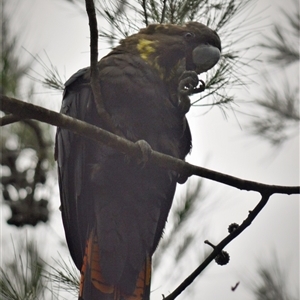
219	144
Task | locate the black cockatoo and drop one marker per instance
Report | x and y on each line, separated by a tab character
114	209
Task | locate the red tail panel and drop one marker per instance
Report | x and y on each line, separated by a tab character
94	287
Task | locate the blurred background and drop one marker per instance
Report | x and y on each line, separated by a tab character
245	124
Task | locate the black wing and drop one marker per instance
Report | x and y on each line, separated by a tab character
71	159
100	188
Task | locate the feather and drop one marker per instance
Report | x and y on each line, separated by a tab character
114	210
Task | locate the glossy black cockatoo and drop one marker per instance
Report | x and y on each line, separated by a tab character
114	209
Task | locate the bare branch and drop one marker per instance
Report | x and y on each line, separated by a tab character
145	12
30	111
163	12
9	119
95	79
217	249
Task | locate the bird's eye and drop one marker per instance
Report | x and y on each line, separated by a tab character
189	35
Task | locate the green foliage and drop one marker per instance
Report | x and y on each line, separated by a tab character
21	277
12	70
121	18
24	141
271	282
20	181
119	14
51	78
284	44
280	103
63	276
282	115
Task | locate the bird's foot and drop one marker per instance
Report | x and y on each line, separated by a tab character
146	151
183	176
199	89
188	85
188	81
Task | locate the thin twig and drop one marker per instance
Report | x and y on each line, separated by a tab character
217	249
9	119
29	111
163	12
145	12
94	77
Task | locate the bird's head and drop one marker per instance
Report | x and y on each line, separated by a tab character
172	49
203	47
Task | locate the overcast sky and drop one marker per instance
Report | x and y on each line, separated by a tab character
219	143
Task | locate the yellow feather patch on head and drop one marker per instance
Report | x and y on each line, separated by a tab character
145	48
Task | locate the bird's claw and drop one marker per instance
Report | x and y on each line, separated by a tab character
146	151
199	89
183	176
188	85
188	82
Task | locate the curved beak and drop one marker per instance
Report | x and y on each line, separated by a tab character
205	57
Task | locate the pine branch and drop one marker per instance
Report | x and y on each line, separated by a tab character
218	249
64	275
51	77
21	276
30	111
284	50
95	79
271	281
9	119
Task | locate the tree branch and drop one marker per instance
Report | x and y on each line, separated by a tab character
29	111
144	5
94	75
217	249
9	119
163	12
